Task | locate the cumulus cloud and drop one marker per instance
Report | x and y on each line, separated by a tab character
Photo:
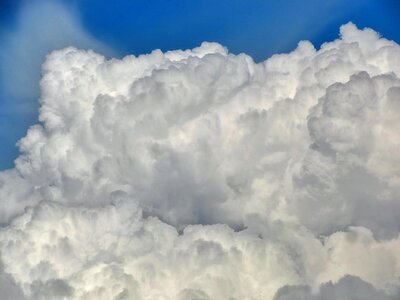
200	174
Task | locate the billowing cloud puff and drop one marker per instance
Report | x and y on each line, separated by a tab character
200	174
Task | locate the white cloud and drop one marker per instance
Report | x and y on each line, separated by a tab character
200	174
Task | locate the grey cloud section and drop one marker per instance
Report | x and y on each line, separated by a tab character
352	160
9	289
201	174
347	288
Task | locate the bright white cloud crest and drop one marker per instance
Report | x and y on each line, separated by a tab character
200	174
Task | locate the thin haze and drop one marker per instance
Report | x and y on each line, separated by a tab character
39	28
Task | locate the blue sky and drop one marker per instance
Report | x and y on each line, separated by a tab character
30	29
